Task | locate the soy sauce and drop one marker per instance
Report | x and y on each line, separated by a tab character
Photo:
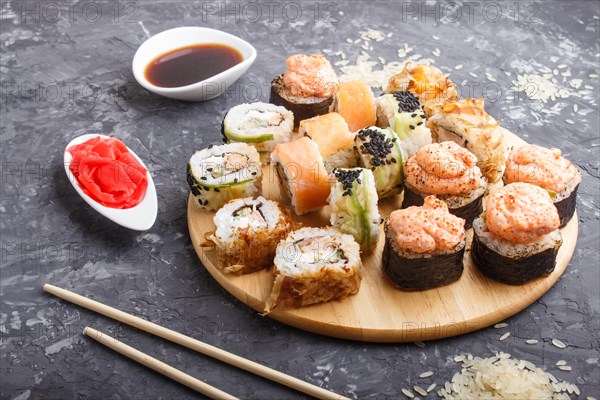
191	64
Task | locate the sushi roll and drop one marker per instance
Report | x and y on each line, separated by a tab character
306	88
466	123
315	265
302	176
546	168
355	102
379	150
402	112
424	246
428	83
353	203
330	132
261	125
247	233
218	174
517	239
450	172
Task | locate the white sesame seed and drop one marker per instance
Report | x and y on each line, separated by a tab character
507	334
426	374
559	344
500	325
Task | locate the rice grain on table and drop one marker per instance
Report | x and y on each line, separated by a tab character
531	341
500	325
506	335
408	393
431	387
561	362
559	344
426	374
420	390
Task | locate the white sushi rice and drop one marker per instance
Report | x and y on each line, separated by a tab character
515	250
229	226
246	167
307	251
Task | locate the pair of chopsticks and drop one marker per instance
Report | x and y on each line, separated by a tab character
185	341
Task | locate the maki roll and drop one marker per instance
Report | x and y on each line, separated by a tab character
315	265
466	123
261	125
546	168
330	132
302	176
424	246
306	88
379	150
451	173
428	83
355	102
247	233
517	239
218	174
402	112
353	203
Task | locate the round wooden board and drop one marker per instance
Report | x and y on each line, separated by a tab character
379	312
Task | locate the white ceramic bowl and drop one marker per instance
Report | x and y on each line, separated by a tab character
172	39
140	217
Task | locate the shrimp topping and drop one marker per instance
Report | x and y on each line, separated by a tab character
428	228
309	76
521	213
443	168
540	166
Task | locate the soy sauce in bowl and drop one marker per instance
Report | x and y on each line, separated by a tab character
191	64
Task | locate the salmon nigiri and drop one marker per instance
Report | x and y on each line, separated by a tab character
355	102
302	175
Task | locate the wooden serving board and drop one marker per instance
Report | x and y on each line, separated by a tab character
379	312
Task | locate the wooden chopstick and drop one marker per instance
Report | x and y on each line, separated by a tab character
194	344
157	365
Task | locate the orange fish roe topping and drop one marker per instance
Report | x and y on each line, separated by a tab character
540	166
443	168
428	228
310	76
521	213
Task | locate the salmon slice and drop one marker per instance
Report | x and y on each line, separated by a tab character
355	102
305	174
330	132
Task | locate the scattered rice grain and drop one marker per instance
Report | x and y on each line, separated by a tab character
408	393
506	335
419	390
500	325
431	387
426	374
559	344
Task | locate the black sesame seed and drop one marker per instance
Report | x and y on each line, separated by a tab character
203	178
235	180
217	190
420	123
254	173
210	146
407	102
411	126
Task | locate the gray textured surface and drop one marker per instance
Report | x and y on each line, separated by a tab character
50	235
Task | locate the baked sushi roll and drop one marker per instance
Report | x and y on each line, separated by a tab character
315	265
335	141
355	102
429	84
546	168
247	233
517	239
261	125
353	203
218	174
402	112
303	179
379	150
466	123
306	88
424	246
451	173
